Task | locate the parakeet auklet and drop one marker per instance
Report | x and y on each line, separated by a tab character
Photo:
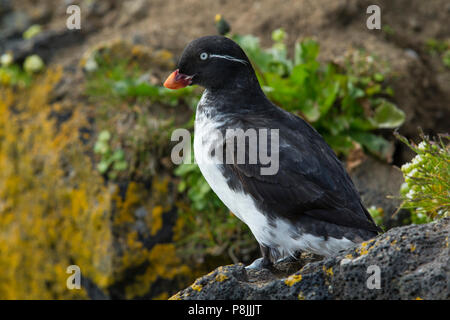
310	203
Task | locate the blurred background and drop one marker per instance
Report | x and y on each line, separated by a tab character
85	172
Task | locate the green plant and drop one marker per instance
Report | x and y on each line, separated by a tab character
377	215
345	104
388	30
426	190
120	80
112	161
14	75
32	31
446	58
439	48
33	64
130	104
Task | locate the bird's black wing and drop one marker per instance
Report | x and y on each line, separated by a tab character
310	181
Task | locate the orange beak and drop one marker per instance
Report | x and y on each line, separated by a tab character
177	80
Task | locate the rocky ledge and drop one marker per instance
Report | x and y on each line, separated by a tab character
411	262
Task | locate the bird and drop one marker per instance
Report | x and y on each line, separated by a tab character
310	203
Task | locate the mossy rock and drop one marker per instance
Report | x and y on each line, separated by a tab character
56	210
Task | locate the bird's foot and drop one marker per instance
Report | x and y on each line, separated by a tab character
288	259
260	263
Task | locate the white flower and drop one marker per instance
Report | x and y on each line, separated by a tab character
404	188
6	59
406	167
33	64
422	145
412	173
91	65
410	194
417	159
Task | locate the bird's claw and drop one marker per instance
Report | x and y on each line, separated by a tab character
258	264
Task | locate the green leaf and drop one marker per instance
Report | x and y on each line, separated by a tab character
387	115
102	166
305	51
278	35
120	165
104	135
378	77
341	144
375	144
185	168
311	110
118	155
330	93
101	147
32	31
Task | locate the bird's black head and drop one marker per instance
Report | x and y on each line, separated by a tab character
214	62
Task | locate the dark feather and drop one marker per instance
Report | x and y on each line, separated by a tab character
311	180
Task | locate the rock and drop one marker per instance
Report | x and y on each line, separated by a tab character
132	11
45	44
5	7
379	186
414	263
14	23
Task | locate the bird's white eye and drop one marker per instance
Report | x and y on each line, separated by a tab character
203	56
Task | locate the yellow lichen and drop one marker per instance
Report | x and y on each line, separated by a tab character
221	277
329	271
412	247
291	280
54	205
176	296
363	250
178	228
162	263
197	287
56	210
156	219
